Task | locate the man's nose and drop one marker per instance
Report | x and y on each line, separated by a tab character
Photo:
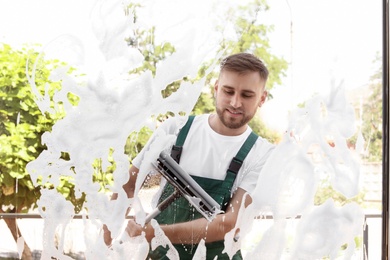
235	101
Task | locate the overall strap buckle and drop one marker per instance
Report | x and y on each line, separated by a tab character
176	152
237	161
235	165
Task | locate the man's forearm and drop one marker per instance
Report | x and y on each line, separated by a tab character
194	231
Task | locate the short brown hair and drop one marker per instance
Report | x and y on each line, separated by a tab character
244	62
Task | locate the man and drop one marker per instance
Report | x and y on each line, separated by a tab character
210	144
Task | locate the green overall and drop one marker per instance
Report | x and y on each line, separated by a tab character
182	211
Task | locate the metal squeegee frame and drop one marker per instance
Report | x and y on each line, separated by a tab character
187	186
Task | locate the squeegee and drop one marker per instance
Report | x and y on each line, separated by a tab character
186	187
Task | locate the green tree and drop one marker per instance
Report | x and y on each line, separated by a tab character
21	127
252	36
144	41
372	117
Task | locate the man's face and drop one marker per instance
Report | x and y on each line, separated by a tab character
237	98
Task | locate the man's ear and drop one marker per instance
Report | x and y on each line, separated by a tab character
215	88
263	97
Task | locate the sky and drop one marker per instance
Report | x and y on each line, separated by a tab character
329	40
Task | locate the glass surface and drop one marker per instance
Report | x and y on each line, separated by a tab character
333	49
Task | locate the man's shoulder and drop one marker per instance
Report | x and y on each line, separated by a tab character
173	124
263	144
197	119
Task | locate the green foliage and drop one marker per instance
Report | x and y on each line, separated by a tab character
144	41
205	104
372	117
136	141
152	53
325	191
104	176
251	36
22	125
260	128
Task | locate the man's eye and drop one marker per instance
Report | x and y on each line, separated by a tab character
247	95
229	92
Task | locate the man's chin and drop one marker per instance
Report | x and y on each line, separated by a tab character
233	123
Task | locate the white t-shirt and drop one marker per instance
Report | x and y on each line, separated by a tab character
208	154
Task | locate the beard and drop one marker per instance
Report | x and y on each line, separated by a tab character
231	122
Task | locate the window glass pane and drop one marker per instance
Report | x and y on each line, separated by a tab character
67	145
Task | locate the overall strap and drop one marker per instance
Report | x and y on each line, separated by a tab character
178	147
237	161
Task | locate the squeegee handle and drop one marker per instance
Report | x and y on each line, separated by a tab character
163	205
